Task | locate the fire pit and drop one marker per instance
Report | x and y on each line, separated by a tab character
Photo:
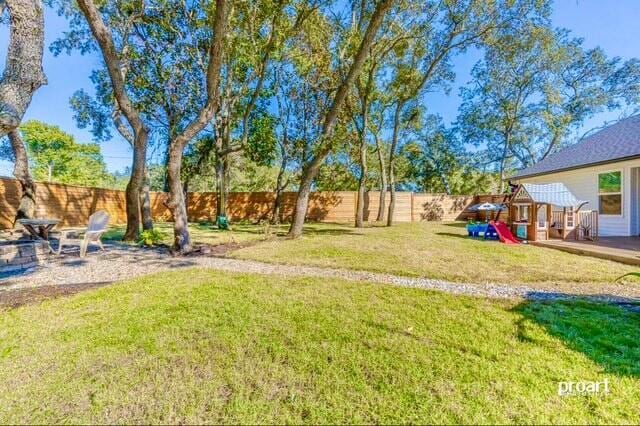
18	255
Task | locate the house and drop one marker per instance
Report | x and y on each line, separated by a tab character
602	170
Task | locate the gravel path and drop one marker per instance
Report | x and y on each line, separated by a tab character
122	262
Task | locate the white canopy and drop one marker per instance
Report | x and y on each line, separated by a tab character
556	194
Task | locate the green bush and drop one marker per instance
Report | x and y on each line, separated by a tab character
151	237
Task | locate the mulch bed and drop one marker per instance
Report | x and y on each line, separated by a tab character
11	299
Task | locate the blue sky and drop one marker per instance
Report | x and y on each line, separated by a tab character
611	24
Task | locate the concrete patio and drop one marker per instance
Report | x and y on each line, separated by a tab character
620	249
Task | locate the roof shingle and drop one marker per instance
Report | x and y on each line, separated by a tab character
616	142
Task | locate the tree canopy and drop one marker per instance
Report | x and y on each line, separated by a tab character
533	88
300	95
55	156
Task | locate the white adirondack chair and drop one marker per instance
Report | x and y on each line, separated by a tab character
98	224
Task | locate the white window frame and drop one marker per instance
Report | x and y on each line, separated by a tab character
570	213
621	192
546	222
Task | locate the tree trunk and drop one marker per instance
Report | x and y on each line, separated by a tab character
221	185
165	181
134	187
23	73
311	171
27	208
362	181
445	183
22	76
382	207
503	162
277	207
280	186
145	202
392	161
104	38
392	192
177	205
502	177
302	200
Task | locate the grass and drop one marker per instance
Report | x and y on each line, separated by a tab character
440	250
206	233
200	346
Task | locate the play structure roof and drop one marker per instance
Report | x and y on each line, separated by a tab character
556	194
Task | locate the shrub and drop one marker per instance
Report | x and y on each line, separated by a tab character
151	237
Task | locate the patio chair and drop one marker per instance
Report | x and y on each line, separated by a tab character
98	223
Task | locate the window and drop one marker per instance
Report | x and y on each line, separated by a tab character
523	213
542	216
610	193
570	218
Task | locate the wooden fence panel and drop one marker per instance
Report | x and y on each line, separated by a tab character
74	204
372	204
441	207
9	201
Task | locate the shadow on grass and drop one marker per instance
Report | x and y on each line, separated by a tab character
451	234
309	229
331	231
455	224
466	237
202	229
607	333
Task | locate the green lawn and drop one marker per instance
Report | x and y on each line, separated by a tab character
199	346
206	233
441	250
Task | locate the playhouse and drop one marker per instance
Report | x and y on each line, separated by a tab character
539	212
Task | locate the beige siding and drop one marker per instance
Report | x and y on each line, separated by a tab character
584	184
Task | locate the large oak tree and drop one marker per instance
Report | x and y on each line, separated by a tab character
325	142
22	76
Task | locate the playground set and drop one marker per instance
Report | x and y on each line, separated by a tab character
537	212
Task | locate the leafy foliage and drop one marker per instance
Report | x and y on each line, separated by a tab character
151	237
261	148
438	161
56	154
533	88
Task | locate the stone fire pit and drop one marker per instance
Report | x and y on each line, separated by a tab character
18	255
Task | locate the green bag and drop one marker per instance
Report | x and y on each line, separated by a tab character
223	223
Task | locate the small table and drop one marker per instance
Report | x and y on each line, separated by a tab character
39	228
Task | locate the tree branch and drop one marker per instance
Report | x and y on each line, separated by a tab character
111	57
358	62
213	76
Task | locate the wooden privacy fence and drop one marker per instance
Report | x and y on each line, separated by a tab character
74	204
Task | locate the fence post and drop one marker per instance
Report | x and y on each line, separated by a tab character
411	219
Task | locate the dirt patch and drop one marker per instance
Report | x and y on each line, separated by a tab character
219	250
11	299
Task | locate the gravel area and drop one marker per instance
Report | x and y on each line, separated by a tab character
121	262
